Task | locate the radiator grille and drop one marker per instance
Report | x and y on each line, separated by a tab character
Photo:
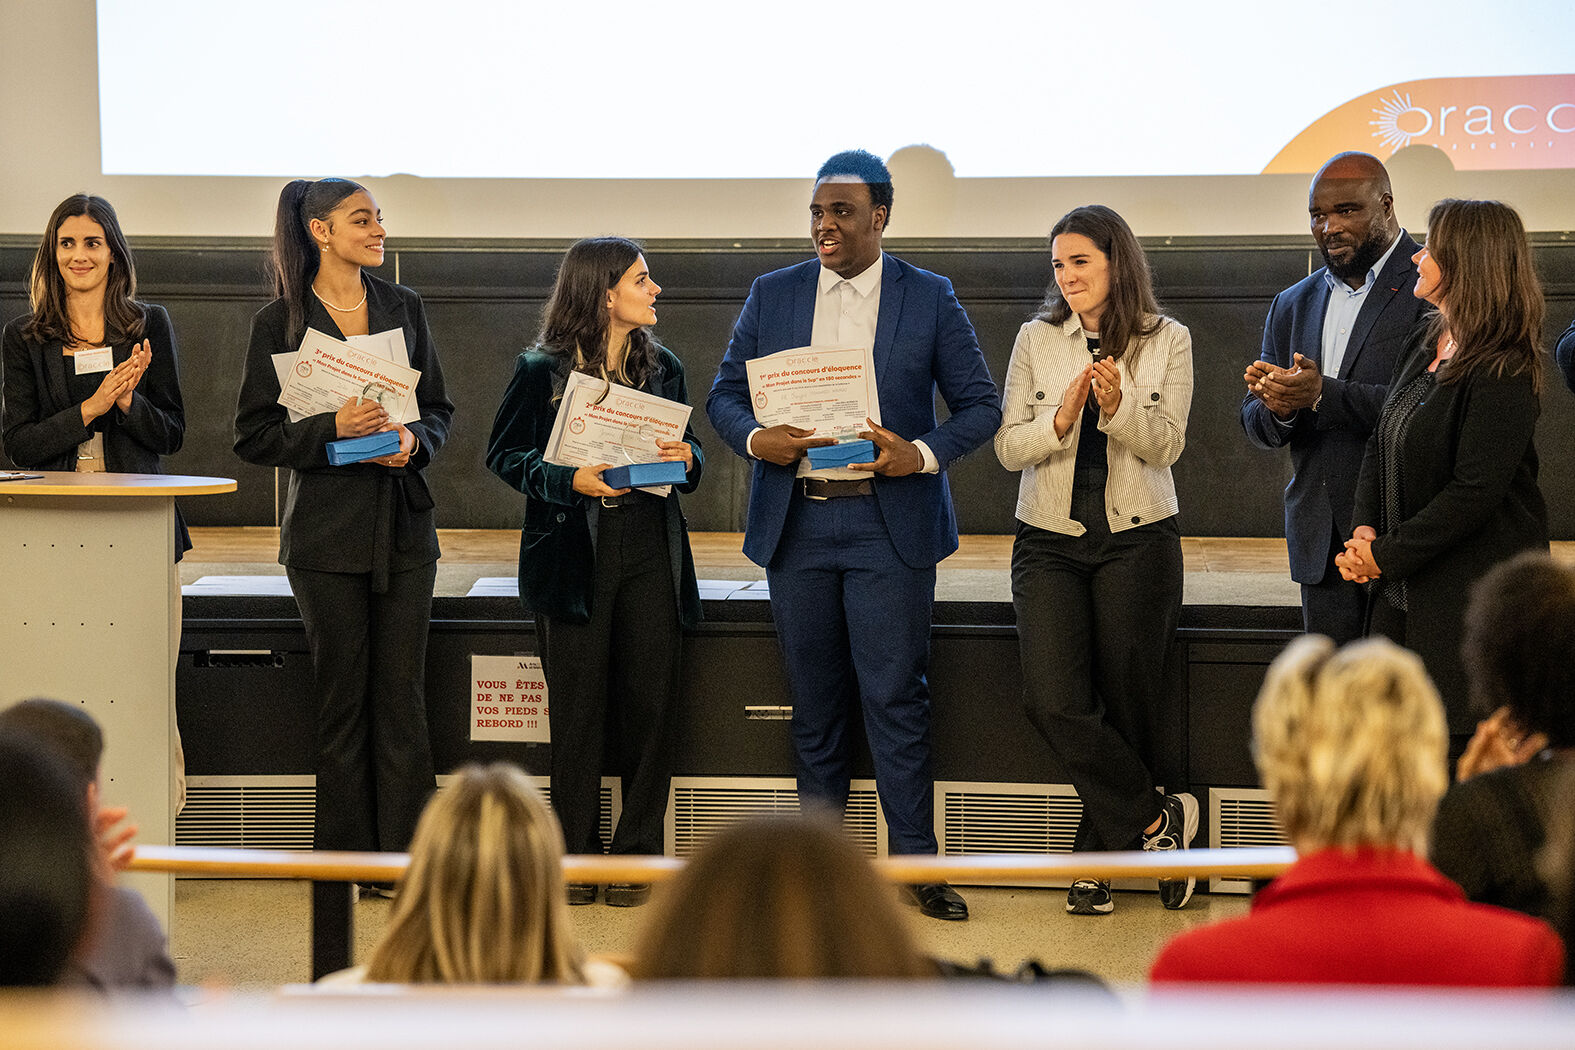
278	812
1006	818
702	806
1240	818
248	812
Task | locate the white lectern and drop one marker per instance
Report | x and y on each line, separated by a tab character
87	615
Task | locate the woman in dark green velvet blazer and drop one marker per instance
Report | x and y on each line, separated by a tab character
607	573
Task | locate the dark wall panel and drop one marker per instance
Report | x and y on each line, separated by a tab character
484	303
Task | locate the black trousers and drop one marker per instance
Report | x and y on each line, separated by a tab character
612	684
1096	616
369	655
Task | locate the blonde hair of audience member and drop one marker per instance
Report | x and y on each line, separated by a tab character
483	898
779	897
1351	745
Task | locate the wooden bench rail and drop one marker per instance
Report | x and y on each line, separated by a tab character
327	866
332	873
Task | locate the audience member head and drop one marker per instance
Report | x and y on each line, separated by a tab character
83	228
779	897
66	729
296	254
1519	637
46	862
577	320
849	211
1477	269
483	898
1099	272
1351	745
1352	212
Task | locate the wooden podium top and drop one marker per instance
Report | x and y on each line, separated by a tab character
67	483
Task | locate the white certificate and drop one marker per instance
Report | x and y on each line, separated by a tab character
830	391
602	422
325	372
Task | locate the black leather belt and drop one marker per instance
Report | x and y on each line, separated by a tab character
832	488
627	499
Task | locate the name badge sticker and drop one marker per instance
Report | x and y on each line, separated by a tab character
99	359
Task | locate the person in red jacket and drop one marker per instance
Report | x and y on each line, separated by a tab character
1351	744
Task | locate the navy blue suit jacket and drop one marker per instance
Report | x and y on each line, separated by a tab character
923	343
1327	445
1564	354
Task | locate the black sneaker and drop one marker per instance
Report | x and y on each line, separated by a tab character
1089	897
1178	826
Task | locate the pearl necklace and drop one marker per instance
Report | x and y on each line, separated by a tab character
341	309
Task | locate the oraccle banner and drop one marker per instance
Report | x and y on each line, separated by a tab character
1479	123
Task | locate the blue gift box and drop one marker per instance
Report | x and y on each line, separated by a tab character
643	475
842	453
354	450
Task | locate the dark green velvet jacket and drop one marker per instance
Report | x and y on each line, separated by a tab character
558	537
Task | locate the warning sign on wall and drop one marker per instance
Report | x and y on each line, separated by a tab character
508	699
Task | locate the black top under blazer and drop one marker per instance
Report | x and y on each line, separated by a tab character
361	517
41	422
558	538
1468	500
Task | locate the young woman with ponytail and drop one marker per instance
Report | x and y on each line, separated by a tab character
357	541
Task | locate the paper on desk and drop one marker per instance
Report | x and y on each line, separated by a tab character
389	345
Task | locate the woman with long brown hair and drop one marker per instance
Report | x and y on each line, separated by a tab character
1448	487
779	897
1095	411
607	573
91	379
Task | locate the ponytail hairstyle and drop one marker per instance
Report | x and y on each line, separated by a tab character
575	321
296	256
123	315
1131	312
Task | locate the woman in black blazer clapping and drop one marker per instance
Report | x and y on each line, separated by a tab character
358	541
606	572
91	382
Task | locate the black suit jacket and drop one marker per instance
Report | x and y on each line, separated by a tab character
361	517
1468	499
558	538
42	423
1327	445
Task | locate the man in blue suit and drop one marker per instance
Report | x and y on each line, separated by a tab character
1329	347
850	554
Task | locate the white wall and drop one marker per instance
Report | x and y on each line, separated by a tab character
49	148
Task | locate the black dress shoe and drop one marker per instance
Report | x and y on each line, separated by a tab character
938	901
582	892
628	894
